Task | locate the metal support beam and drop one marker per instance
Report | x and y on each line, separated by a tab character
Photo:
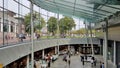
47	24
58	48
32	36
91	40
58	31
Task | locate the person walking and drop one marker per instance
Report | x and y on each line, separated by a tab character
69	60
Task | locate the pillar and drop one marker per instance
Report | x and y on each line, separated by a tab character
58	49
43	54
55	50
9	27
15	28
68	47
28	61
114	59
1	27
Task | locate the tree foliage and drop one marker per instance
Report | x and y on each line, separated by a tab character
66	24
52	25
38	21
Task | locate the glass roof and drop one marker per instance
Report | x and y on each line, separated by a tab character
91	10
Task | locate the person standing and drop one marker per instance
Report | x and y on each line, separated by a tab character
82	60
49	61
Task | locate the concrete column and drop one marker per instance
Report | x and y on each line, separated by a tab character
1	27
28	61
9	27
43	53
55	50
68	47
58	49
15	28
114	53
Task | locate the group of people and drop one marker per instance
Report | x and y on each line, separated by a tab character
93	61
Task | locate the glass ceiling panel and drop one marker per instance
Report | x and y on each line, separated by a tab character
87	9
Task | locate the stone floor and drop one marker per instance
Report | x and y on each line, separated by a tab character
75	63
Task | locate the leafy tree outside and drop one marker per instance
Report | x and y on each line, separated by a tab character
66	24
52	25
39	22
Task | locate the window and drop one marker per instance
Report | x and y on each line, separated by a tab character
11	28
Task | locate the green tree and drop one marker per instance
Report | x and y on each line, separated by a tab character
81	31
66	24
39	22
52	25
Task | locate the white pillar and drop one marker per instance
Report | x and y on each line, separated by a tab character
55	50
28	61
43	53
15	28
114	53
9	27
68	47
58	49
1	27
